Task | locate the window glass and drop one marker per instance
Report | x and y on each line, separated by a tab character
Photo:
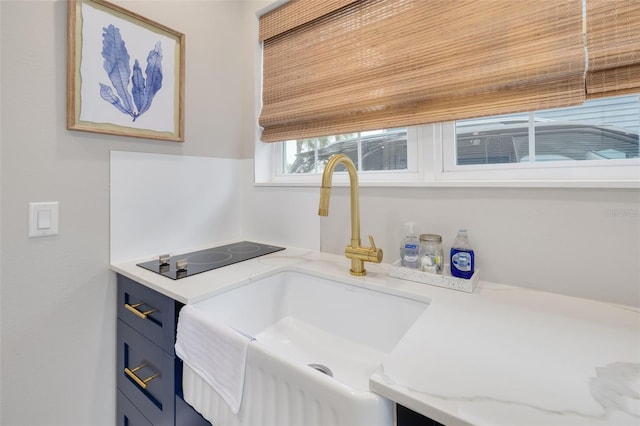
568	146
600	129
369	151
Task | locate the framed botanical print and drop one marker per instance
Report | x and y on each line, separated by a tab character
125	73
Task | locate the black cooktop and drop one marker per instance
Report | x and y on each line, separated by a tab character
188	264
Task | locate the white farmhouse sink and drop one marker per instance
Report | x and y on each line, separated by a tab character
298	320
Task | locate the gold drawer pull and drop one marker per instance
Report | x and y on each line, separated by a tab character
141	382
137	313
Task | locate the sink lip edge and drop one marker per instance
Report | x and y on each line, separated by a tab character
360	282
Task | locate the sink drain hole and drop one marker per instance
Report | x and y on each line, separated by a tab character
322	368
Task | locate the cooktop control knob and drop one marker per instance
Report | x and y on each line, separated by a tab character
164	259
181	264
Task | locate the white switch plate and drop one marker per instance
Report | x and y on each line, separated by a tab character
43	219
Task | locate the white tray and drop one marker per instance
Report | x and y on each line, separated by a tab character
446	280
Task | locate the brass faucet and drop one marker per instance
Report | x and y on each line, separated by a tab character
355	251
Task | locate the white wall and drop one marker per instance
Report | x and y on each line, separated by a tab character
286	216
580	242
57	295
174	203
171	203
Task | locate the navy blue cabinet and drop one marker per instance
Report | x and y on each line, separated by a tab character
407	417
128	414
148	371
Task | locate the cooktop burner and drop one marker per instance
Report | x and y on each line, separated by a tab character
188	264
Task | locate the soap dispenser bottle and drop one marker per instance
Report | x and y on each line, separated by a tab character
462	256
410	247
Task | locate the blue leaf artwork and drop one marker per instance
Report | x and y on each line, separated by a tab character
116	64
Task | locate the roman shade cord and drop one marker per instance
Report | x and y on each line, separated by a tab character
341	66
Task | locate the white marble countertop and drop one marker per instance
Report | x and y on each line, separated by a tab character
501	355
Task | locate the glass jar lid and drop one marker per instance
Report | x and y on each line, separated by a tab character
434	238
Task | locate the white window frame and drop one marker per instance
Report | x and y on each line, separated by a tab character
273	156
431	162
584	173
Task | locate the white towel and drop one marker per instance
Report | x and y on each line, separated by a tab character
215	351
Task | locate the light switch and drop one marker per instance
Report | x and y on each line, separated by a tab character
43	219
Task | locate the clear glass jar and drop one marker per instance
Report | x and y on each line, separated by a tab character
431	255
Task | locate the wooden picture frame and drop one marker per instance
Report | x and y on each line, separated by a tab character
125	73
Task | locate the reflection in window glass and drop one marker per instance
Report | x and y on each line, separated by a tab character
375	150
599	129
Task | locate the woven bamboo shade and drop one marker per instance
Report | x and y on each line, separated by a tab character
374	64
295	13
613	43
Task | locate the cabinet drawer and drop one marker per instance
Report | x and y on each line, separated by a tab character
146	375
152	314
128	414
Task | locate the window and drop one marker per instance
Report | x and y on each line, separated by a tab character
596	142
601	129
543	55
369	151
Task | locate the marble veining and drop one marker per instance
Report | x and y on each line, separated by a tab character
612	389
485	410
616	386
509	402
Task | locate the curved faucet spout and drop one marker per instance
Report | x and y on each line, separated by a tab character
325	192
357	253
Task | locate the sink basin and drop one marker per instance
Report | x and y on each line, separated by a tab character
314	320
307	326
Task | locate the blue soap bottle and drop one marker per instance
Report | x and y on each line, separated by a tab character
462	256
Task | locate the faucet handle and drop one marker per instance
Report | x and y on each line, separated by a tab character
375	254
373	243
361	254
